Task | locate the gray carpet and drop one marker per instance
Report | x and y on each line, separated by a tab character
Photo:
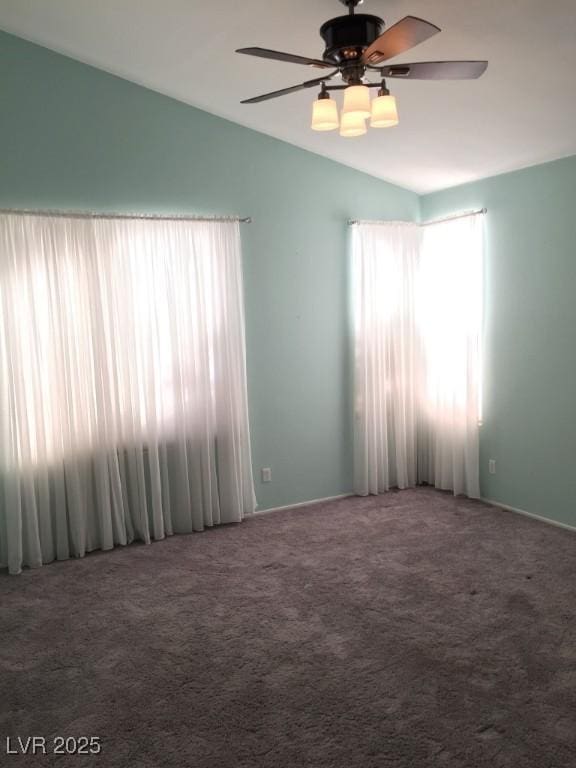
405	631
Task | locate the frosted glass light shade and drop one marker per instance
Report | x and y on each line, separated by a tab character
324	115
357	101
352	125
384	112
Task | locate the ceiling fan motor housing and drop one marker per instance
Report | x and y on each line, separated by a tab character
346	37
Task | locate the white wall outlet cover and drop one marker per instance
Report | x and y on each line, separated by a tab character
266	475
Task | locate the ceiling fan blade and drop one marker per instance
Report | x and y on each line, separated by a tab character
407	33
437	70
265	53
285	91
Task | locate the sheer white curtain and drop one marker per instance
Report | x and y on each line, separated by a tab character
123	409
448	305
384	268
417	298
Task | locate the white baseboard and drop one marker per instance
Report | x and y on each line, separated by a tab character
493	503
518	511
304	503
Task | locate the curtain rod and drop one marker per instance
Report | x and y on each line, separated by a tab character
463	215
423	224
351	222
100	215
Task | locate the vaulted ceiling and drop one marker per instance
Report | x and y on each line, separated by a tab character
522	112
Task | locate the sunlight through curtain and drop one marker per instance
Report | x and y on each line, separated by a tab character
417	298
123	408
448	303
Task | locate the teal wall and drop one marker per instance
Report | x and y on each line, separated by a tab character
74	137
530	334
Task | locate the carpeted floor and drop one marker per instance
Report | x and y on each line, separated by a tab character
412	630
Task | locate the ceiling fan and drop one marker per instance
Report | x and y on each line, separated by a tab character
355	46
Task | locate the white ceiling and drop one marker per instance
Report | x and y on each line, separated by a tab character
522	112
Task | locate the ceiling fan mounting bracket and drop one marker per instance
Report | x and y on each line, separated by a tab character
351	4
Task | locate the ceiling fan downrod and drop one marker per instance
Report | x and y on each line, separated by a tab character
351	4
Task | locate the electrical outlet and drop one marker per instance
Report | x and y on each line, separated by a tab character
492	466
266	475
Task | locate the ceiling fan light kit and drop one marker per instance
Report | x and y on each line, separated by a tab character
325	113
352	124
357	101
384	110
356	45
